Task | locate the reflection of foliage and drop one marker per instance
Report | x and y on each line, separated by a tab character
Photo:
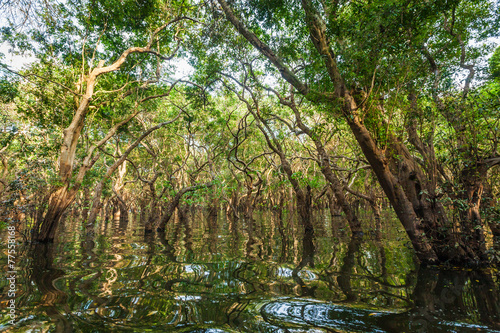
135	283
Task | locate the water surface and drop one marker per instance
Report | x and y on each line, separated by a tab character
207	274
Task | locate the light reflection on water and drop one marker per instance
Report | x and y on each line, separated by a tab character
266	275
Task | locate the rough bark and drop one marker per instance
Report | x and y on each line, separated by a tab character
470	194
394	192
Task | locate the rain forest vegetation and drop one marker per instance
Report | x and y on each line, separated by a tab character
291	106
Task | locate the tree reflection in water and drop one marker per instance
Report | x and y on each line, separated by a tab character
50	299
263	275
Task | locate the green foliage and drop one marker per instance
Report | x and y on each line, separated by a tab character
8	90
495	64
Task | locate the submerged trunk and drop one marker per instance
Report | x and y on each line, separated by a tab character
59	200
96	206
247	202
154	216
491	212
232	205
420	190
470	196
393	190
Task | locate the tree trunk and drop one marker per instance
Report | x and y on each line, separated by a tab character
153	217
491	211
85	203
58	202
470	195
393	189
96	205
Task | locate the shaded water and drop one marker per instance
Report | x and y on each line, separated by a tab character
268	275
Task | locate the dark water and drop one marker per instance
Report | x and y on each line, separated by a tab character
212	275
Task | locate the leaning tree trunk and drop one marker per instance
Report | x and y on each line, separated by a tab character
393	190
154	215
58	202
389	183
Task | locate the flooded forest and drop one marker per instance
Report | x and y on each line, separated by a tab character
225	166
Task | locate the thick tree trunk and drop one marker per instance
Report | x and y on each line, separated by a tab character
304	202
346	271
213	206
420	190
393	190
470	194
58	202
167	215
492	213
154	216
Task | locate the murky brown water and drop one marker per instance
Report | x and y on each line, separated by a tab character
213	275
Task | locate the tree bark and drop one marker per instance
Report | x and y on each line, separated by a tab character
470	195
59	200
